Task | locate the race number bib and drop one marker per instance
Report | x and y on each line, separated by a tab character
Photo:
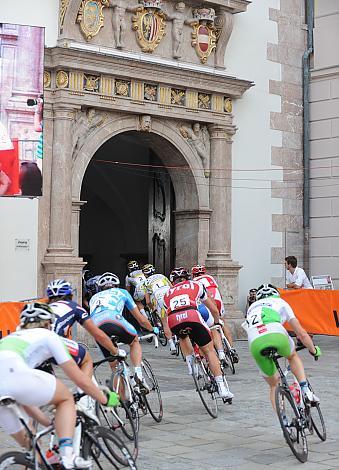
180	301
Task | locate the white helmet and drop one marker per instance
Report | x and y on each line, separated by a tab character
34	312
108	280
266	290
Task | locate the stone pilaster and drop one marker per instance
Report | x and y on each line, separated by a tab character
59	261
219	261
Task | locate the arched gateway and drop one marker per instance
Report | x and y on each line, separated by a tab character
96	94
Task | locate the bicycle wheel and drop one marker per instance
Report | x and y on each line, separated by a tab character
205	387
106	450
317	419
118	383
291	423
15	461
228	354
153	398
119	420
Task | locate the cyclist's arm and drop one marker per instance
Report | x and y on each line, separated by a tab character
213	309
141	319
100	337
302	335
83	381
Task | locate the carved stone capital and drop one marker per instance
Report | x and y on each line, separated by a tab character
221	132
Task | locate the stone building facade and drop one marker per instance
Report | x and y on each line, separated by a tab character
155	69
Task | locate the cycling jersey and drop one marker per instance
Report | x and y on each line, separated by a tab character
264	326
109	304
184	295
213	290
137	280
106	309
156	286
20	352
34	346
66	314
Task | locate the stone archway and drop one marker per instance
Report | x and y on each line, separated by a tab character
191	188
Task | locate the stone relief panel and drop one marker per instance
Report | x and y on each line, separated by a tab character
198	137
189	31
84	123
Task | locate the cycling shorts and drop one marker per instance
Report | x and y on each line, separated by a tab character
125	332
272	335
159	303
189	323
27	386
206	315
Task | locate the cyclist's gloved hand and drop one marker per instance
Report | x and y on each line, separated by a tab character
112	398
156	330
317	353
121	353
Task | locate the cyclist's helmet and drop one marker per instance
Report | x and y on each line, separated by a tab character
198	270
266	290
108	280
148	269
92	286
179	273
132	265
58	288
35	311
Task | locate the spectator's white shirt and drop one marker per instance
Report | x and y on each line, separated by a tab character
299	278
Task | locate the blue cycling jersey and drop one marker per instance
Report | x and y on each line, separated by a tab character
109	304
66	314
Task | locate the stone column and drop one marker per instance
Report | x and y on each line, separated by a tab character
60	261
219	261
191	234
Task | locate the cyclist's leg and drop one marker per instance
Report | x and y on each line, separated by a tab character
276	339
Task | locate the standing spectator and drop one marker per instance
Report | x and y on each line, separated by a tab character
295	276
251	297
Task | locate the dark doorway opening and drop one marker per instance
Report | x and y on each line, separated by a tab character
128	214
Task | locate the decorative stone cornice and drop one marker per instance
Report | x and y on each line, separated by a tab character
234	6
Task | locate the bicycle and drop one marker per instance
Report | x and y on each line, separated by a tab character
118	419
137	402
155	321
206	385
90	441
229	361
295	417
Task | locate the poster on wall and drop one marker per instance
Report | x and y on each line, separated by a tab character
21	109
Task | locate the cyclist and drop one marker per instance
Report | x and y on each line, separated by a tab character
135	280
184	320
156	286
67	312
264	326
106	309
89	289
199	274
20	353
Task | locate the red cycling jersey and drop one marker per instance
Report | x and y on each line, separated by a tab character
184	295
213	289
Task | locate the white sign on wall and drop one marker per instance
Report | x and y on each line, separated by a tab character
22	244
323	282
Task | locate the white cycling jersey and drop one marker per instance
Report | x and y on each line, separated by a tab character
34	346
156	286
275	303
135	278
20	352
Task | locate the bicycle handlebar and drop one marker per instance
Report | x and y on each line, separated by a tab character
151	335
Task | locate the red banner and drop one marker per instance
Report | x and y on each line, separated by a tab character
317	310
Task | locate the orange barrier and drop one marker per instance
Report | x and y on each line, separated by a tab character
317	310
9	316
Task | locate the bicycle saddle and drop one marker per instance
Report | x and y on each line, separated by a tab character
270	351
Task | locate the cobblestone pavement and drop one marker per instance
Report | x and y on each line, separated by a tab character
246	434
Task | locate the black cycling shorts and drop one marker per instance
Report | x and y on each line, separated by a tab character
124	335
196	331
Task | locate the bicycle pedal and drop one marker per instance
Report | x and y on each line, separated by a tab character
228	400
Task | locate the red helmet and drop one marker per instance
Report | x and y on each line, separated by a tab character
198	270
179	273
